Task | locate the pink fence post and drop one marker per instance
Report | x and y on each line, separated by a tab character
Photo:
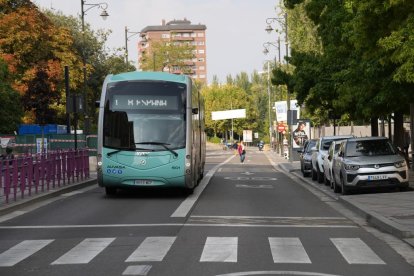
59	166
77	167
7	180
72	165
81	165
23	176
36	165
48	166
15	170
87	163
29	161
64	166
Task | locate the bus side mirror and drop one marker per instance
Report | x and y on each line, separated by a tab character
195	110
97	103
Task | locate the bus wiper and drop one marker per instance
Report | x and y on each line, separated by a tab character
116	151
159	144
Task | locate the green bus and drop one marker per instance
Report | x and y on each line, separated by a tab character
150	132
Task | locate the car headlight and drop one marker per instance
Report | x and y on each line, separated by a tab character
400	164
351	167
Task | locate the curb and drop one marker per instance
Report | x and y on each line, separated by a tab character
45	195
371	217
378	220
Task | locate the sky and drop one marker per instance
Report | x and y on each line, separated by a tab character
235	28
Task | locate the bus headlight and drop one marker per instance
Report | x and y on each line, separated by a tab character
188	164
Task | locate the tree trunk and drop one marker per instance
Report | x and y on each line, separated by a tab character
374	126
399	129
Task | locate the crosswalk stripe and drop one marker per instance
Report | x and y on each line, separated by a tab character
21	251
288	250
152	249
84	252
355	251
220	249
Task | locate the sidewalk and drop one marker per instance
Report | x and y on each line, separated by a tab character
391	212
53	192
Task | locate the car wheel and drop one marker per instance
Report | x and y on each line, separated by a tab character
319	175
344	189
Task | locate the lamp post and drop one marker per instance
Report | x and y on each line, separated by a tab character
266	51
284	22
104	14
127	37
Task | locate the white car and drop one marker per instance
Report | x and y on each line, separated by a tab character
328	161
319	153
368	163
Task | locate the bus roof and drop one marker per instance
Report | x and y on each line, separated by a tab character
138	75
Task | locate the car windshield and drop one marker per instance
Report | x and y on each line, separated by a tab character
369	148
310	145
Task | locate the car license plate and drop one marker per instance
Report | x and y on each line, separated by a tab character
377	177
143	182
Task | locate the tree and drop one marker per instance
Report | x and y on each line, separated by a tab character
170	56
10	108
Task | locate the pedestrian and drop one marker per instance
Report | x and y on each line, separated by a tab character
242	151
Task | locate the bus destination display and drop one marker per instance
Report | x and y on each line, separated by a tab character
136	102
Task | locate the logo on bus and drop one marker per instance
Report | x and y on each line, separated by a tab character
141	153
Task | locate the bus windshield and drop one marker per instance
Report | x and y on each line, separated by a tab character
144	115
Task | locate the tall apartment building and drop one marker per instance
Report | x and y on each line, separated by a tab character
178	31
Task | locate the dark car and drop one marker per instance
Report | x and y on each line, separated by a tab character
306	157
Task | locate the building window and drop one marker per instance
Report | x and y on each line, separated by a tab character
201	51
201	43
201	59
186	35
201	68
202	76
200	34
193	34
165	35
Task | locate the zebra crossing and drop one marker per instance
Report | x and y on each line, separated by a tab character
216	249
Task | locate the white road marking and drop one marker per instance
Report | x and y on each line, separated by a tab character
84	252
152	249
355	251
189	202
21	251
72	193
277	272
220	249
254	186
288	250
12	215
137	270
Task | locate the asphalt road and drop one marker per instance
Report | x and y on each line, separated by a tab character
243	219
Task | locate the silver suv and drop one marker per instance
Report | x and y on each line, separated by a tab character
367	163
319	153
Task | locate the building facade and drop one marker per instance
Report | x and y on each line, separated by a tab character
177	31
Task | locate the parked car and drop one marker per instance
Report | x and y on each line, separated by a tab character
328	161
306	157
367	163
320	151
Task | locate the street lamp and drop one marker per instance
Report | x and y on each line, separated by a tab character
277	46
126	42
104	14
284	22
